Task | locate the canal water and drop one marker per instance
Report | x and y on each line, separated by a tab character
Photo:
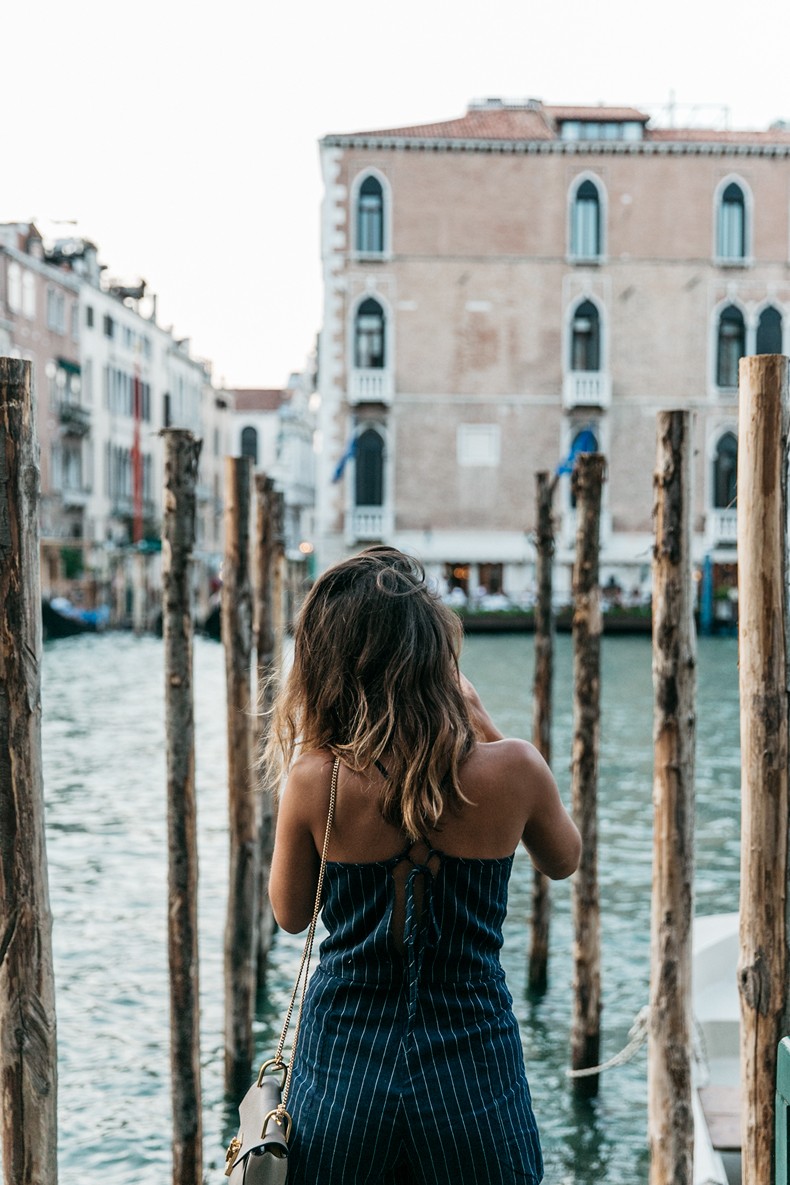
104	771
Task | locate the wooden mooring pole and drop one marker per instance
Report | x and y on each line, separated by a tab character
265	552
537	974
182	452
762	635
279	571
242	917
28	1052
587	483
670	1121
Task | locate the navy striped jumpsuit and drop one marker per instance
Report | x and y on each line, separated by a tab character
409	1068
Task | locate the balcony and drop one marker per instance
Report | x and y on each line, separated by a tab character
371	386
368	524
587	388
75	497
75	420
722	527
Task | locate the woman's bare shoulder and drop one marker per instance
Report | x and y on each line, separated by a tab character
310	775
514	756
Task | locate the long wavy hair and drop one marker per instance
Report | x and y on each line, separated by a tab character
375	680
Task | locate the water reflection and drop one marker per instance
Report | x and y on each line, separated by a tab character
107	846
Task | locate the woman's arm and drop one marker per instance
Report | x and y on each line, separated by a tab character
295	861
550	834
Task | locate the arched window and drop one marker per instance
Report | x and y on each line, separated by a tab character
249	444
586	222
731	346
769	332
731	230
725	468
369	458
370	217
369	336
585	337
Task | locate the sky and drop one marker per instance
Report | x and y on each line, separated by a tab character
182	137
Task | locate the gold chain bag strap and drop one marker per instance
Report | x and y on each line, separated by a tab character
258	1155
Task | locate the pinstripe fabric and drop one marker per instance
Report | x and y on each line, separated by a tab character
410	1069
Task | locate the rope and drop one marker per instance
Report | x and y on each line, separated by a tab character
637	1035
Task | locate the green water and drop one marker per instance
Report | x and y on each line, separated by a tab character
107	847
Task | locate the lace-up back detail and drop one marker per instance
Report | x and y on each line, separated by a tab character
413	873
422	911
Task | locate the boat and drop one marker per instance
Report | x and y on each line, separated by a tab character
716	1068
61	619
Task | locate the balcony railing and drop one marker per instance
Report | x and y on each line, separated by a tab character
75	497
75	419
723	527
370	386
587	388
368	524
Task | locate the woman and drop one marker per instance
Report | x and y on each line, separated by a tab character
409	1065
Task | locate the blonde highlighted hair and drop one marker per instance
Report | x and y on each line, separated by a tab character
375	681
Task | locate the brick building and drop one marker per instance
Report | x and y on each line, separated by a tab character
499	283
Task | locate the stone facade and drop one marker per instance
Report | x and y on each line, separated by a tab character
107	378
499	283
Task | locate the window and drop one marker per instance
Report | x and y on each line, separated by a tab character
731	346
586	222
166	411
769	332
490	577
731	227
606	129
369	336
14	287
478	444
725	467
89	316
109	326
249	444
370	217
585	337
56	311
369	475
28	295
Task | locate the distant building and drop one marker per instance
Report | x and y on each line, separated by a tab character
39	321
497	284
275	428
107	378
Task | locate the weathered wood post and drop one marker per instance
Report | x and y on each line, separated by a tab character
28	1053
587	483
242	916
279	566
139	592
537	975
670	1122
265	667
182	452
762	634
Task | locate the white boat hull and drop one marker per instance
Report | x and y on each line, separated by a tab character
716	1011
